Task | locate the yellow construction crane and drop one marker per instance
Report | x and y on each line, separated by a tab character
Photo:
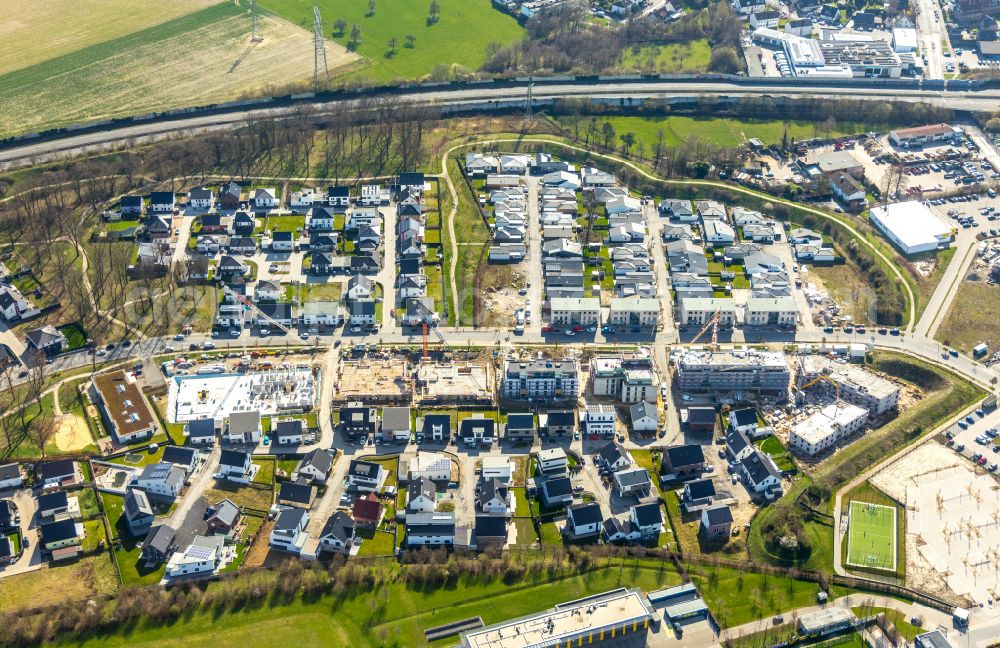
818	379
712	323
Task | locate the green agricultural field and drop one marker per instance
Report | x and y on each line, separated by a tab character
668	57
200	57
459	37
37	31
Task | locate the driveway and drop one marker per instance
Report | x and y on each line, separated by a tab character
31	559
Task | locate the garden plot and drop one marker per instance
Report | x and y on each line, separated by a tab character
952	529
113	478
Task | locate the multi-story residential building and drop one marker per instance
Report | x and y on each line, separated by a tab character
771	311
856	386
827	427
628	378
544	380
600	420
733	371
697	311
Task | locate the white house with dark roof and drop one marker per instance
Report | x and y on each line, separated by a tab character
236	466
647	519
10	476
163	481
366	476
583	520
761	475
243	427
338	534
315	466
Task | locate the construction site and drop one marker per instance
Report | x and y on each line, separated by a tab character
454	382
382	379
282	390
952	523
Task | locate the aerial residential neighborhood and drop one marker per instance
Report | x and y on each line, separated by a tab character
500	324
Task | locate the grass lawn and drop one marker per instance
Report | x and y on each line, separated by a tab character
668	57
525	531
521	506
724	132
972	318
443	43
737	597
113	506
330	291
472	235
377	543
139	457
77	579
407	611
132	567
287	466
76	337
897	618
87	499
645	459
283	223
390	464
550	534
266	473
255	498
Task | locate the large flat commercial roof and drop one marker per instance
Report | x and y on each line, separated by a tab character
566	622
911	223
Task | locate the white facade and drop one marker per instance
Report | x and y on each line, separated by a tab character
497	468
552	460
600	419
430	465
911	226
827	428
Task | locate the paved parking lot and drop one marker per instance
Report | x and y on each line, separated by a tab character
966	439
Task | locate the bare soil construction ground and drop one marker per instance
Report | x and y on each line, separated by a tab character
952	533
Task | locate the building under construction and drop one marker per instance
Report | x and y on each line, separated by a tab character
745	372
217	395
446	383
374	381
854	384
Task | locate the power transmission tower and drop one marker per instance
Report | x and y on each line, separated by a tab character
529	101
255	36
319	46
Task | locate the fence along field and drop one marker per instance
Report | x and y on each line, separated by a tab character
33	31
202	57
871	536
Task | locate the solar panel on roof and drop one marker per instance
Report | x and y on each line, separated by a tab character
199	552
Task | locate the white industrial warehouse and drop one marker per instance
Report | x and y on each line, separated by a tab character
912	227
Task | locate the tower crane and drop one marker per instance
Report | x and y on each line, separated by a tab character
428	315
712	323
818	379
249	305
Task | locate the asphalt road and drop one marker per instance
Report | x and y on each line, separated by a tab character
486	96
